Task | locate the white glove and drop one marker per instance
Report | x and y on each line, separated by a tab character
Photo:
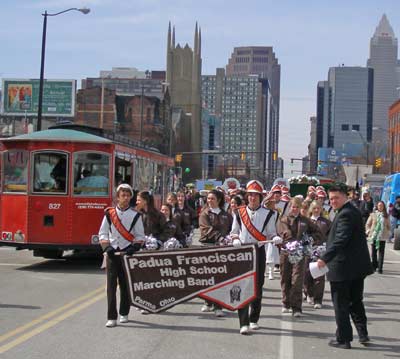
234	236
236	243
277	240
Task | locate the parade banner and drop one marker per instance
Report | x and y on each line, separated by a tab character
158	280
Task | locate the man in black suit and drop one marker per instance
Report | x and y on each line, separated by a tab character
348	261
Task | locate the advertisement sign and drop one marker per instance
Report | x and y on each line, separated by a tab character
158	280
207	184
21	97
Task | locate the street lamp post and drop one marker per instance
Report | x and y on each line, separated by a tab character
41	80
366	144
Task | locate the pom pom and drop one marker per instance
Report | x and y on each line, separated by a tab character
151	243
171	244
317	252
226	241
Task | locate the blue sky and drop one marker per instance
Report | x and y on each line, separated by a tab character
308	37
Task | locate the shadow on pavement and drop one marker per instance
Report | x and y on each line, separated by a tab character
66	265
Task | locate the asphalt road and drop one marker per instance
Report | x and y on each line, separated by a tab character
57	309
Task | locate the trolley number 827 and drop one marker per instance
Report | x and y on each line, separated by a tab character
54	205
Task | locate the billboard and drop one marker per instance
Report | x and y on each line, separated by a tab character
21	97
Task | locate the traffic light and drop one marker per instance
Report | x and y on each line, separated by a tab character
274	156
319	162
187	170
178	157
378	162
243	156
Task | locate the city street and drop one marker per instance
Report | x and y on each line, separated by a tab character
57	309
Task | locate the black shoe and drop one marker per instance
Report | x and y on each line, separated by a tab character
364	339
341	345
380	271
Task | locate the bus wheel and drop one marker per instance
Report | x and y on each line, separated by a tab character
396	244
48	253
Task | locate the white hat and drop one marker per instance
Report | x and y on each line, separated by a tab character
126	187
254	186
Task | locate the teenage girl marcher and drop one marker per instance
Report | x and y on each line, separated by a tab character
215	224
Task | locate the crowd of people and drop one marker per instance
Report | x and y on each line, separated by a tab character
289	234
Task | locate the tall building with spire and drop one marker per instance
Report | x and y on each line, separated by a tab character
383	59
183	79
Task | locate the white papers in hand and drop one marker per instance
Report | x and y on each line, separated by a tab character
317	272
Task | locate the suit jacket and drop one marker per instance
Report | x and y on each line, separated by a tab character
347	253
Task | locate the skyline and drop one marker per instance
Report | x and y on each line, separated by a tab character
307	41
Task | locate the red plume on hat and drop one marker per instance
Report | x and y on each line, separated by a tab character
254	186
276	188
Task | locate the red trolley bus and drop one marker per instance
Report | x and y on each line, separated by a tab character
55	185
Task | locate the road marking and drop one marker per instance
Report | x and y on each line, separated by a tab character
286	344
50	323
15	264
49	315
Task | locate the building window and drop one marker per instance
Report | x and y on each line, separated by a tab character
345	127
355	127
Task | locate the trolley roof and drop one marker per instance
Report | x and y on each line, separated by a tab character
59	135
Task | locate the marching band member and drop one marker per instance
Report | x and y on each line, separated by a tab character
311	193
190	220
235	203
271	250
291	228
215	224
121	227
171	228
282	206
254	225
314	288
153	219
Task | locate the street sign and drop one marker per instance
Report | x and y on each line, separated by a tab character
21	97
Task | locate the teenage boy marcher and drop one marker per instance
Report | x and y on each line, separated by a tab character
120	231
254	224
348	260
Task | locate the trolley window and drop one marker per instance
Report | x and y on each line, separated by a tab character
144	174
91	174
15	167
123	171
50	172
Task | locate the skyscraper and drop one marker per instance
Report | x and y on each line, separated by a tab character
344	109
261	61
383	59
247	110
183	78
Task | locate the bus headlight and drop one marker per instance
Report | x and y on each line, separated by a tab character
19	236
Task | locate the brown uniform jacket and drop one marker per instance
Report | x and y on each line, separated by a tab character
154	223
214	226
186	218
324	225
292	228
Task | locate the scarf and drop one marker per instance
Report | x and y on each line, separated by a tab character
377	233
